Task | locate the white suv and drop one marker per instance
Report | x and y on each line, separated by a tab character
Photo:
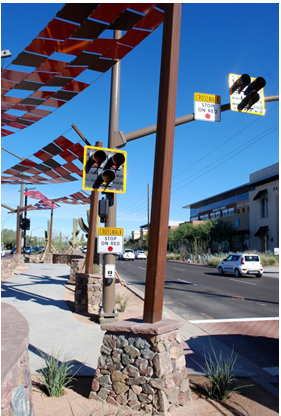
127	254
241	264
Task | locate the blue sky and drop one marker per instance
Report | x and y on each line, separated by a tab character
209	157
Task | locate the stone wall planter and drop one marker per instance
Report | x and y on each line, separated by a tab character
8	265
65	258
16	388
143	365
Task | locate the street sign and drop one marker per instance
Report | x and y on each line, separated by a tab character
110	240
207	107
110	231
238	95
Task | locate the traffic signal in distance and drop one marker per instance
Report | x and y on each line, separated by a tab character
27	223
104	169
244	95
24	223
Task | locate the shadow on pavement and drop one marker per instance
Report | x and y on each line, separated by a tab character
19	292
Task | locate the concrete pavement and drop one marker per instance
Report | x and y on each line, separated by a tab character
37	293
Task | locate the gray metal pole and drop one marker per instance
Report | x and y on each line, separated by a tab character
146	131
108	295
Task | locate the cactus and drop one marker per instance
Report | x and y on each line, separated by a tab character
82	225
74	241
85	228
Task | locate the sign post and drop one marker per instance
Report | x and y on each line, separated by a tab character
207	107
110	241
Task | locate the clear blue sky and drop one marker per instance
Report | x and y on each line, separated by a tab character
209	157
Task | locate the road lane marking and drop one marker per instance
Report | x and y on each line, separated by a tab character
203	321
143	268
176	268
247	283
189	283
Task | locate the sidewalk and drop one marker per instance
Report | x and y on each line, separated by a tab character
38	294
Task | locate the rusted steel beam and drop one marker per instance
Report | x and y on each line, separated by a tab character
156	263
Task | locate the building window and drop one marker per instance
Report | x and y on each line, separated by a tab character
225	213
231	211
264	208
212	215
218	214
238	211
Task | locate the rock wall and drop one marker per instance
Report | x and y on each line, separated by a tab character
8	265
88	292
146	371
16	387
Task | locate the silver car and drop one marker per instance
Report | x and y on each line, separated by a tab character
241	264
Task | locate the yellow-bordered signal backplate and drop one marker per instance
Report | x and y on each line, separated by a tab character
258	108
91	175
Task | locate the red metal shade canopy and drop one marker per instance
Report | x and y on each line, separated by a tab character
42	167
76	31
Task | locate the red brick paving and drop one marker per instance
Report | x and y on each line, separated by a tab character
258	341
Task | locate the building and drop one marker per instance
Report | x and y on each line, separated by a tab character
252	208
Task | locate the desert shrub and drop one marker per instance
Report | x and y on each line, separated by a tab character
58	373
219	371
214	261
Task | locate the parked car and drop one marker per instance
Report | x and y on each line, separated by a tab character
3	253
241	264
84	249
139	254
127	254
28	250
38	249
13	251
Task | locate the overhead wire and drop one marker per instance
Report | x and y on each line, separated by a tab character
241	149
222	157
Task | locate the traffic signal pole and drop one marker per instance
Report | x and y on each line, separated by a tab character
156	265
122	138
92	228
108	295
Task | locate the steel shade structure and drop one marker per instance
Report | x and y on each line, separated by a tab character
76	30
52	164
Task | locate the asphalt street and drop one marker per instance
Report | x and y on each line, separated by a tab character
199	292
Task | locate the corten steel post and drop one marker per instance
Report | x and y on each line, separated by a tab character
51	231
158	236
92	228
108	293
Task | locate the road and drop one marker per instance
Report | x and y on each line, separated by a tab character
199	292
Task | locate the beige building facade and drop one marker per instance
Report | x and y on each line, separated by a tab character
252	208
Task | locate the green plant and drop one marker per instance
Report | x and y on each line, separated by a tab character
118	298
58	373
122	302
219	371
214	261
